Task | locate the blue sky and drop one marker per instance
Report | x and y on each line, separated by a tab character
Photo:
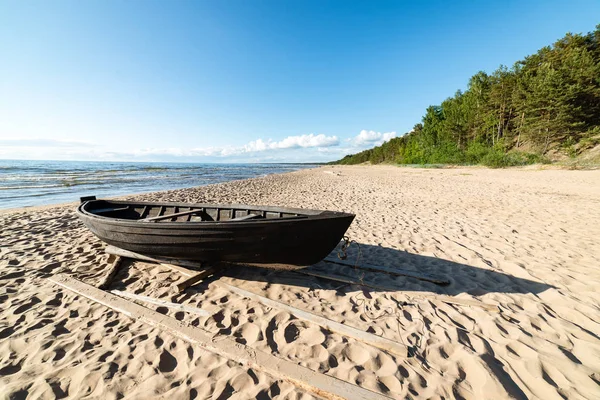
247	81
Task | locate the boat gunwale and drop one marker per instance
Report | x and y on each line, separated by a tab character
311	214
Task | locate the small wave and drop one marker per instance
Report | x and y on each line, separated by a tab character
155	168
21	184
26	196
29	187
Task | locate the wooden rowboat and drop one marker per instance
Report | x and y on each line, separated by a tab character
272	237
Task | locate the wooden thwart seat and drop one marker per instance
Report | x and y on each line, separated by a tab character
246	217
169	216
112	209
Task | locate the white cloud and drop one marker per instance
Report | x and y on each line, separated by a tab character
304	141
51	149
367	137
173	151
372	138
256	146
290	142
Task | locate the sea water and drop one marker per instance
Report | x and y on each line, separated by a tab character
32	183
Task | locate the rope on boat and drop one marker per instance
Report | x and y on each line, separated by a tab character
343	254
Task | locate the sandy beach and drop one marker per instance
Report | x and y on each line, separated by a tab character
523	240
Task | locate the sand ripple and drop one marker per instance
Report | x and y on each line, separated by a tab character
524	240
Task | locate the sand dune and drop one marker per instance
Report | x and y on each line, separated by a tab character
523	240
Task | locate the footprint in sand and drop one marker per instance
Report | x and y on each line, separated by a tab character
167	362
248	333
356	353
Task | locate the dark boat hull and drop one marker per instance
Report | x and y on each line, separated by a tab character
278	242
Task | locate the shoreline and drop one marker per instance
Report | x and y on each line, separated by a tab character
532	167
128	195
41	183
523	242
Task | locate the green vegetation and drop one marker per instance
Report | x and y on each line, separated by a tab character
546	104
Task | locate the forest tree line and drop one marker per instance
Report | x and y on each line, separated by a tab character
550	101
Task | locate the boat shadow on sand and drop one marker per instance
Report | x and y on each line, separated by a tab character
462	278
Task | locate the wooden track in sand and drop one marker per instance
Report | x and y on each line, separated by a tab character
429	296
388	270
365	337
322	385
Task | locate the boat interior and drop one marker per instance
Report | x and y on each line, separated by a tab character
167	213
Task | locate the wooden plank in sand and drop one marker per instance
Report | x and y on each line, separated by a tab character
163	303
362	336
114	269
171	261
391	271
431	296
322	385
168	262
190	276
183	271
184	284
